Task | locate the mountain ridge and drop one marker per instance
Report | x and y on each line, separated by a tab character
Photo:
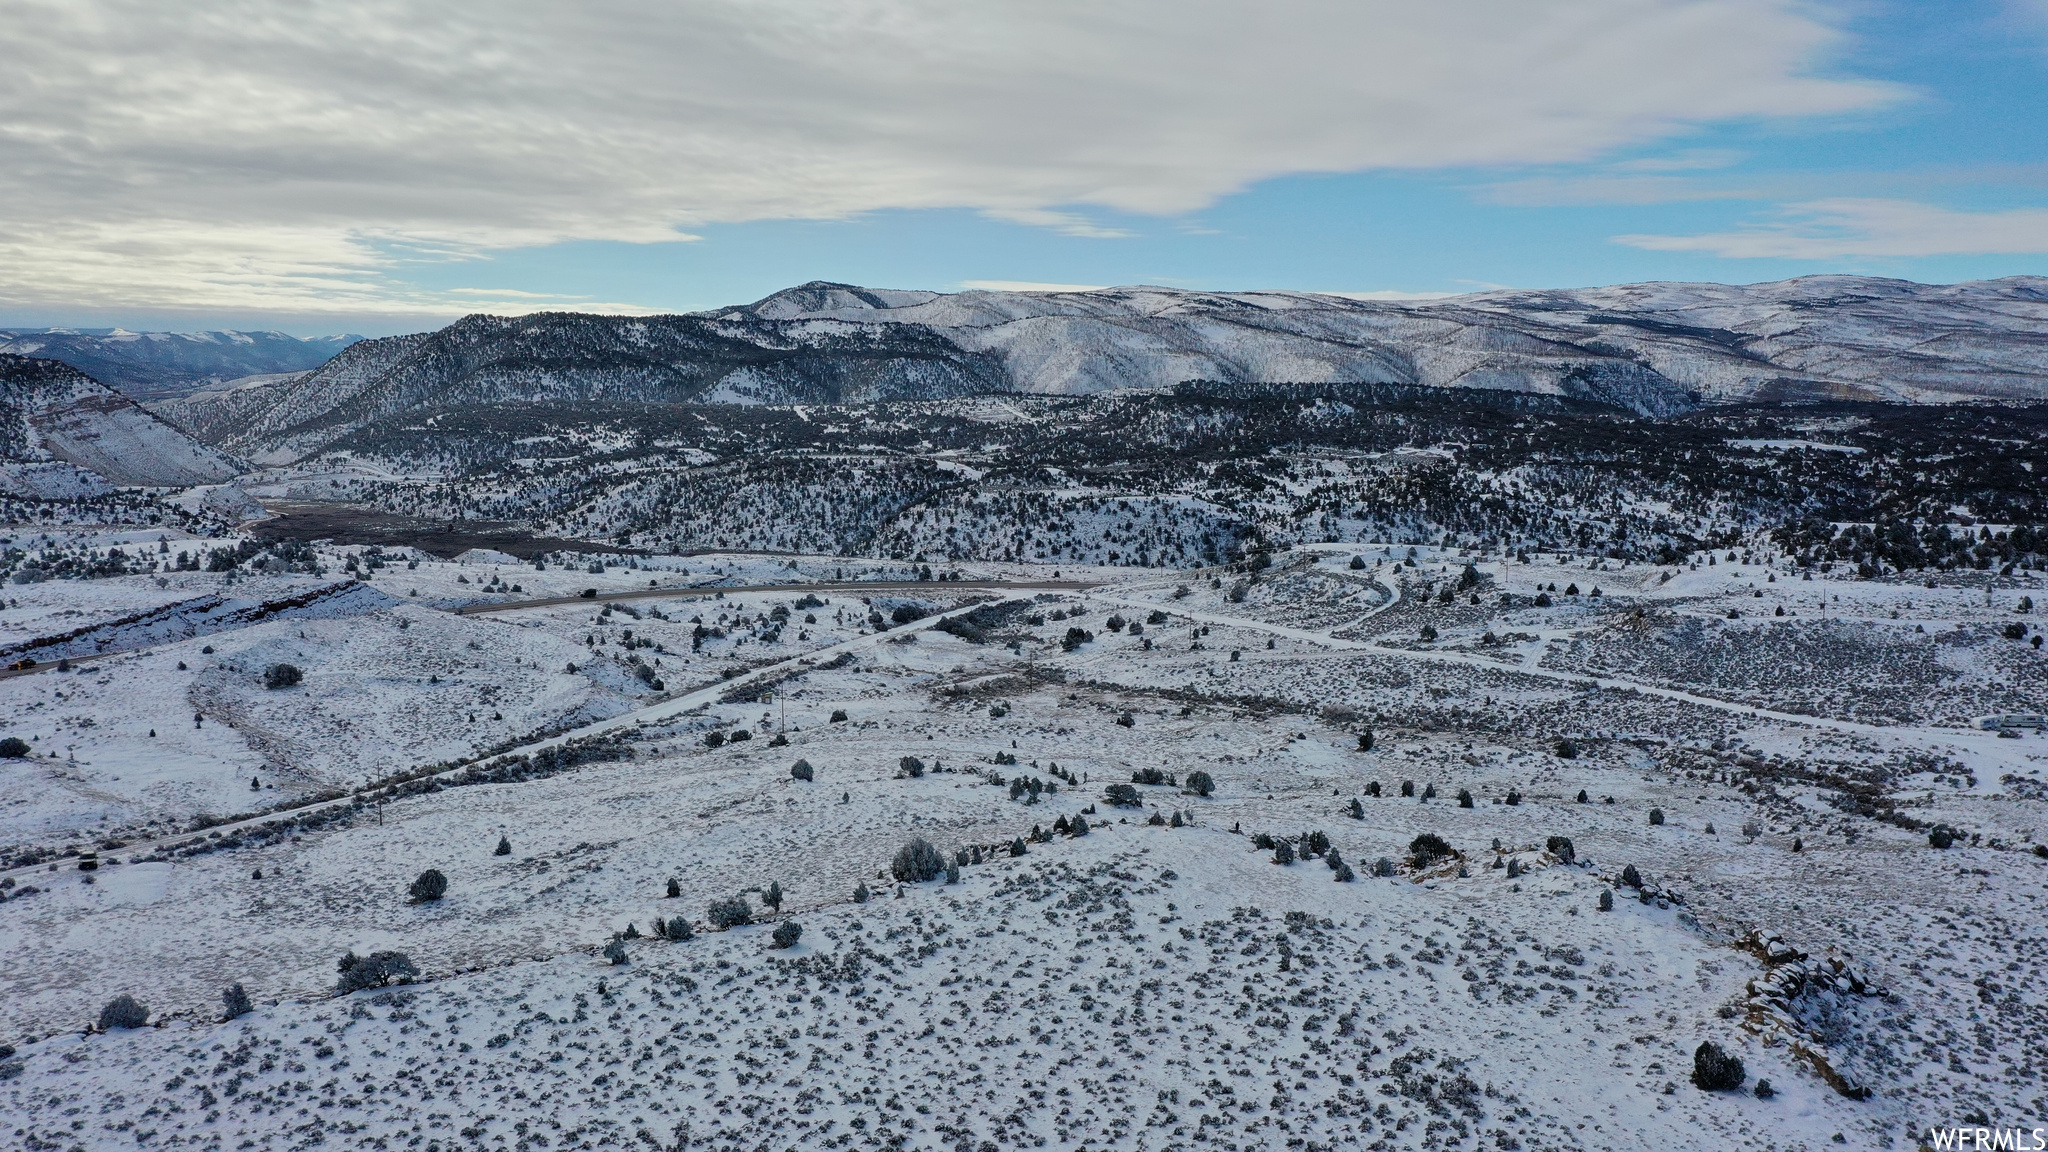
157	365
1653	349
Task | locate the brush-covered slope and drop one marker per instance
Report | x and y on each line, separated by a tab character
51	413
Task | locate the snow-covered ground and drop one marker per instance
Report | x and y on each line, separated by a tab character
1140	986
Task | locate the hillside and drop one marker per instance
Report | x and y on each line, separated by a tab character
53	414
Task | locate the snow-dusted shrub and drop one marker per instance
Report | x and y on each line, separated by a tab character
911	766
731	913
714	739
801	770
1407	787
1464	798
234	1002
1122	795
1656	817
1607	899
675	888
917	862
615	952
838	716
372	971
430	886
1383	867
123	1012
1016	846
1283	852
1357	809
13	748
1201	783
504	846
1561	847
860	892
674	928
1427	849
788	933
1714	1070
282	676
1941	836
773	896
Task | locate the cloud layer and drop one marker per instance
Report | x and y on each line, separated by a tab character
1852	227
294	156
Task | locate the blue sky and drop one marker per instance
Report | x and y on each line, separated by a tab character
1879	138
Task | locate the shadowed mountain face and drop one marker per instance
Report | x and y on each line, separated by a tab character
55	421
158	365
1653	350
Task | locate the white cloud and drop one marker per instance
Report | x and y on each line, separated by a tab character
1839	227
1027	286
242	153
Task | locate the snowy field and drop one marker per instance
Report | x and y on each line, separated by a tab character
1760	755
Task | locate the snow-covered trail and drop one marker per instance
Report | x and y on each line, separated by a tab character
654	713
1976	745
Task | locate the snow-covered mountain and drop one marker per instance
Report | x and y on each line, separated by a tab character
1654	349
150	365
52	415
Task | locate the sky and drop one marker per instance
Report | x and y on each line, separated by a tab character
381	166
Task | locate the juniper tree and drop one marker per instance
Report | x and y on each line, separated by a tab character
430	886
1357	809
801	770
1656	817
860	892
788	933
234	1002
504	846
1714	1070
733	912
1427	849
372	971
1607	899
773	896
615	952
1201	783
1464	798
675	888
1283	852
123	1012
1407	787
917	861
